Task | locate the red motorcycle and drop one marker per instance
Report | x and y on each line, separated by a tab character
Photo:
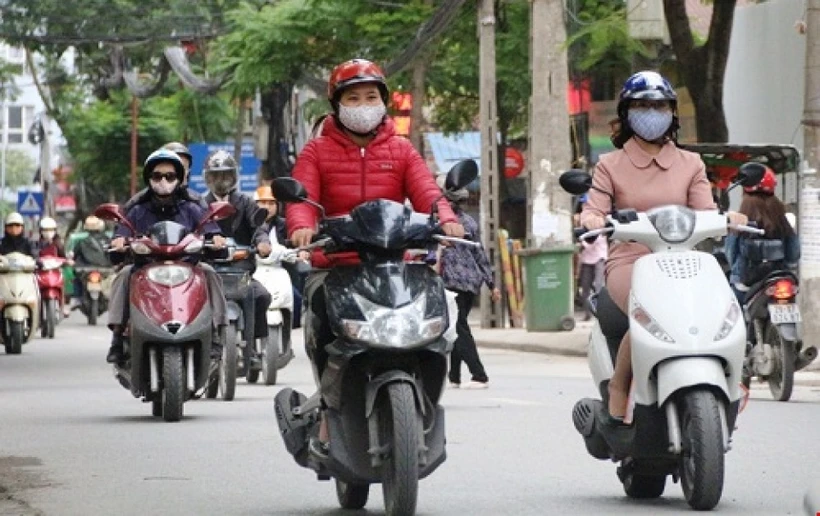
50	281
168	339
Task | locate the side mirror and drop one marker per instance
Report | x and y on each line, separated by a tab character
113	212
259	217
576	182
750	174
462	174
216	211
289	190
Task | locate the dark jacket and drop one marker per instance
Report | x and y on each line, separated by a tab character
746	270
143	215
240	226
90	251
16	244
465	268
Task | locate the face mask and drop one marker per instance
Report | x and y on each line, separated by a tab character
163	187
362	119
650	124
48	234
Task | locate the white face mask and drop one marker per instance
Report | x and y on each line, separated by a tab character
48	234
163	187
362	119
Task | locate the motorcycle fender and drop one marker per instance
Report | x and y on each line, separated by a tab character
376	384
16	313
274	317
680	373
788	331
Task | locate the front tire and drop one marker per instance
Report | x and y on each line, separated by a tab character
400	475
173	384
16	336
270	354
702	460
227	368
93	311
51	318
352	496
781	381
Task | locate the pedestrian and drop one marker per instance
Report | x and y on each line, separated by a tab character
464	269
591	277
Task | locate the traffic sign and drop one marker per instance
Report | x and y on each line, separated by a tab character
30	203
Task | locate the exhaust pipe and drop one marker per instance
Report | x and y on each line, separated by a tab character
806	357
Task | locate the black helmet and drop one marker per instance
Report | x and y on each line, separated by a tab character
220	172
159	156
180	149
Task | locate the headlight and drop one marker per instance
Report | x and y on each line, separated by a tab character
643	318
50	264
402	328
732	315
674	224
140	248
169	275
194	247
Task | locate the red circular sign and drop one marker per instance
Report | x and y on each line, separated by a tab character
513	162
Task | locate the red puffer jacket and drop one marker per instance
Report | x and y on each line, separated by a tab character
340	175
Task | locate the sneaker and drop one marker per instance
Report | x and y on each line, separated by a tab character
617	434
475	384
115	354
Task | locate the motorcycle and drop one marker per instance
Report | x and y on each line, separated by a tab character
385	372
20	301
168	340
275	351
96	292
688	341
50	282
774	350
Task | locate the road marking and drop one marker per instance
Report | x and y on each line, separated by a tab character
521	403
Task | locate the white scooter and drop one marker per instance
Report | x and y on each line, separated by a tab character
276	350
19	301
688	340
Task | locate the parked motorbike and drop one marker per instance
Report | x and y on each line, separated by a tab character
386	368
96	283
774	349
275	351
50	282
169	333
20	301
688	341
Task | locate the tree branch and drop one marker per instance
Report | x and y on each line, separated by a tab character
680	32
37	84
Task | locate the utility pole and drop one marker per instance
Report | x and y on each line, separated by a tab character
491	314
134	139
809	205
550	151
45	166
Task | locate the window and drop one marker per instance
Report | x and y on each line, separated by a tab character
15	124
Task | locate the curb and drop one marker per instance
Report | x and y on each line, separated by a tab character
532	348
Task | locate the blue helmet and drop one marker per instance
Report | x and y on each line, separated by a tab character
645	85
159	156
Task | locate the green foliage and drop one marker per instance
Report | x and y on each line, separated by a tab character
20	168
198	117
99	140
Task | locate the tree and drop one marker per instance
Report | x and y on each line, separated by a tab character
703	67
20	168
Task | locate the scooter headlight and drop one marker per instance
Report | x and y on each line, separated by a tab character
643	318
405	327
732	316
674	224
169	275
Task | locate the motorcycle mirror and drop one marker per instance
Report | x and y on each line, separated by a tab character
259	217
112	211
575	181
462	174
750	174
289	190
216	211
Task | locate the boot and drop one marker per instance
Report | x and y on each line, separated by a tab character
116	353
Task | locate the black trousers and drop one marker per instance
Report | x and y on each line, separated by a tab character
464	348
262	301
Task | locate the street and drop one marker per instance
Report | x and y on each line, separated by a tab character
75	442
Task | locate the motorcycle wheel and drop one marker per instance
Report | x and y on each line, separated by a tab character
352	496
14	346
399	429
93	311
173	384
227	368
702	459
270	354
781	381
644	486
51	318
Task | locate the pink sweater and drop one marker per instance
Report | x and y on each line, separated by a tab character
642	181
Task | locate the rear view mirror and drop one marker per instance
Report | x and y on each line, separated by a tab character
576	182
112	212
216	211
750	174
289	190
462	174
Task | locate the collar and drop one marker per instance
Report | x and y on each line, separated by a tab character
642	159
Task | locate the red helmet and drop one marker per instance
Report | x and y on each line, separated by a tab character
355	71
766	185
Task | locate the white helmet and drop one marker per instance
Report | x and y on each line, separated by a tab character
14	218
47	223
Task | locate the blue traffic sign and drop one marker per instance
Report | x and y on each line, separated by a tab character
30	203
248	165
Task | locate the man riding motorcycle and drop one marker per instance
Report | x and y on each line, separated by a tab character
14	241
163	174
221	177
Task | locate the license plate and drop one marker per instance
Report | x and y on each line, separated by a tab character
780	314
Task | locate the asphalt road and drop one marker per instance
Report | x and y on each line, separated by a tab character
72	441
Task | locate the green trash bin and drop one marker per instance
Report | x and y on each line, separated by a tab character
548	289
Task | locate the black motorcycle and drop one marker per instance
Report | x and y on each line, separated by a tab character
387	363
